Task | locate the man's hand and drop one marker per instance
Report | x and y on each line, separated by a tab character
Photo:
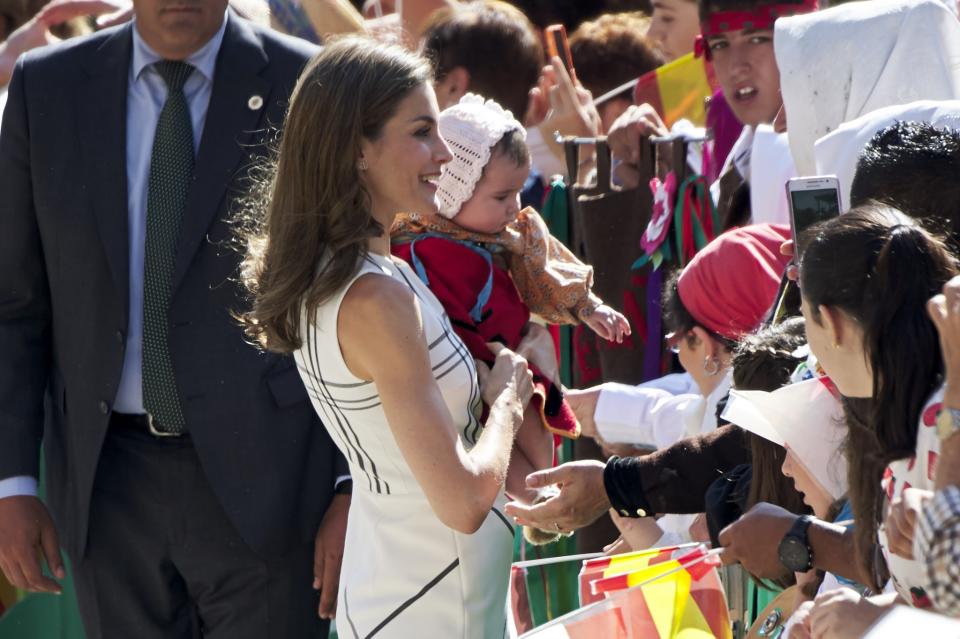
902	518
754	540
582	498
634	124
27	533
843	614
328	554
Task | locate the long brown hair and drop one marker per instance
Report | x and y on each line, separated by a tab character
880	268
764	361
308	221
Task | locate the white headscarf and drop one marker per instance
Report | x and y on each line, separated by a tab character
840	63
837	153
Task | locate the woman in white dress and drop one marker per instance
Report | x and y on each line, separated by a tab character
428	548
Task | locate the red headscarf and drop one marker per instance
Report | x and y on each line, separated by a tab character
761	17
731	284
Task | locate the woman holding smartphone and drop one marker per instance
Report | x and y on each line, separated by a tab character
428	549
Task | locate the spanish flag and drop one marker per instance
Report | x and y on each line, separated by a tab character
680	598
603	567
678	90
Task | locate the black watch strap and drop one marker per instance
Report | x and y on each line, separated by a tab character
799	528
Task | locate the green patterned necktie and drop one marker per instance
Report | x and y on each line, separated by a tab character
171	171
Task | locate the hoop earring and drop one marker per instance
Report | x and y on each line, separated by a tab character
711	366
362	164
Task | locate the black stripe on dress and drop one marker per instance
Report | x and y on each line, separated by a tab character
341	431
503	518
342	421
412	600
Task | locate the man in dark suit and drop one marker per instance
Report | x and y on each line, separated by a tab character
187	473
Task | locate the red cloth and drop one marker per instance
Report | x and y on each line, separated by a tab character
731	284
456	276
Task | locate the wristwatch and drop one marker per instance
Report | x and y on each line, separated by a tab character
794	551
948	422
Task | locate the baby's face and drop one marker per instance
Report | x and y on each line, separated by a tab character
496	198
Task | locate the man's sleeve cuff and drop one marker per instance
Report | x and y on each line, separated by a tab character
19	486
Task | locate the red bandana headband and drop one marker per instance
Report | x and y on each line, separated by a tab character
762	17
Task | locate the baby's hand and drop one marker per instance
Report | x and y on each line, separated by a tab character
608	324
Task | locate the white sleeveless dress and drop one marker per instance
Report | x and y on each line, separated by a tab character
405	574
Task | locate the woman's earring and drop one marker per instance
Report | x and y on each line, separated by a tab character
711	366
362	164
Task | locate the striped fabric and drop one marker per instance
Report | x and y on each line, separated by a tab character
430	580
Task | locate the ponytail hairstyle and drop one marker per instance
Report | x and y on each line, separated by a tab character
880	268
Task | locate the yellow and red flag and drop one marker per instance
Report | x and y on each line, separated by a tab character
594	569
671	595
678	90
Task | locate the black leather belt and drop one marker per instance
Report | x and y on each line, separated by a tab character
144	423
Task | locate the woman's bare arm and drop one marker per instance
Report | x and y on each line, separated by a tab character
382	339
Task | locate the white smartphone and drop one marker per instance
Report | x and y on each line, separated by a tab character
812	200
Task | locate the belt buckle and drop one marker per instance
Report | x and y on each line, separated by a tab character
158	433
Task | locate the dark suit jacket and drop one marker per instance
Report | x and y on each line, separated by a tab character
64	289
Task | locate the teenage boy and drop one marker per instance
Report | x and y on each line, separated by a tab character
737	38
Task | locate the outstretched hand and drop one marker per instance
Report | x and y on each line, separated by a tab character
608	324
36	32
581	500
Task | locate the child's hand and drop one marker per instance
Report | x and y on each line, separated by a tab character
608	324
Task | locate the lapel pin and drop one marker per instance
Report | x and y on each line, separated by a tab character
255	103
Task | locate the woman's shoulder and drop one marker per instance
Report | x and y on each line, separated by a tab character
378	288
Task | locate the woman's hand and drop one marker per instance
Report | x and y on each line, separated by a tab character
640	533
510	379
608	324
902	518
571	110
36	32
944	310
843	614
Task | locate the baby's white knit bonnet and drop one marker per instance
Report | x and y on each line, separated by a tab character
471	128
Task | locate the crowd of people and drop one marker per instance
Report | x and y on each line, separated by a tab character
275	289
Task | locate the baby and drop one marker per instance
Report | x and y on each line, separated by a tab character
491	264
